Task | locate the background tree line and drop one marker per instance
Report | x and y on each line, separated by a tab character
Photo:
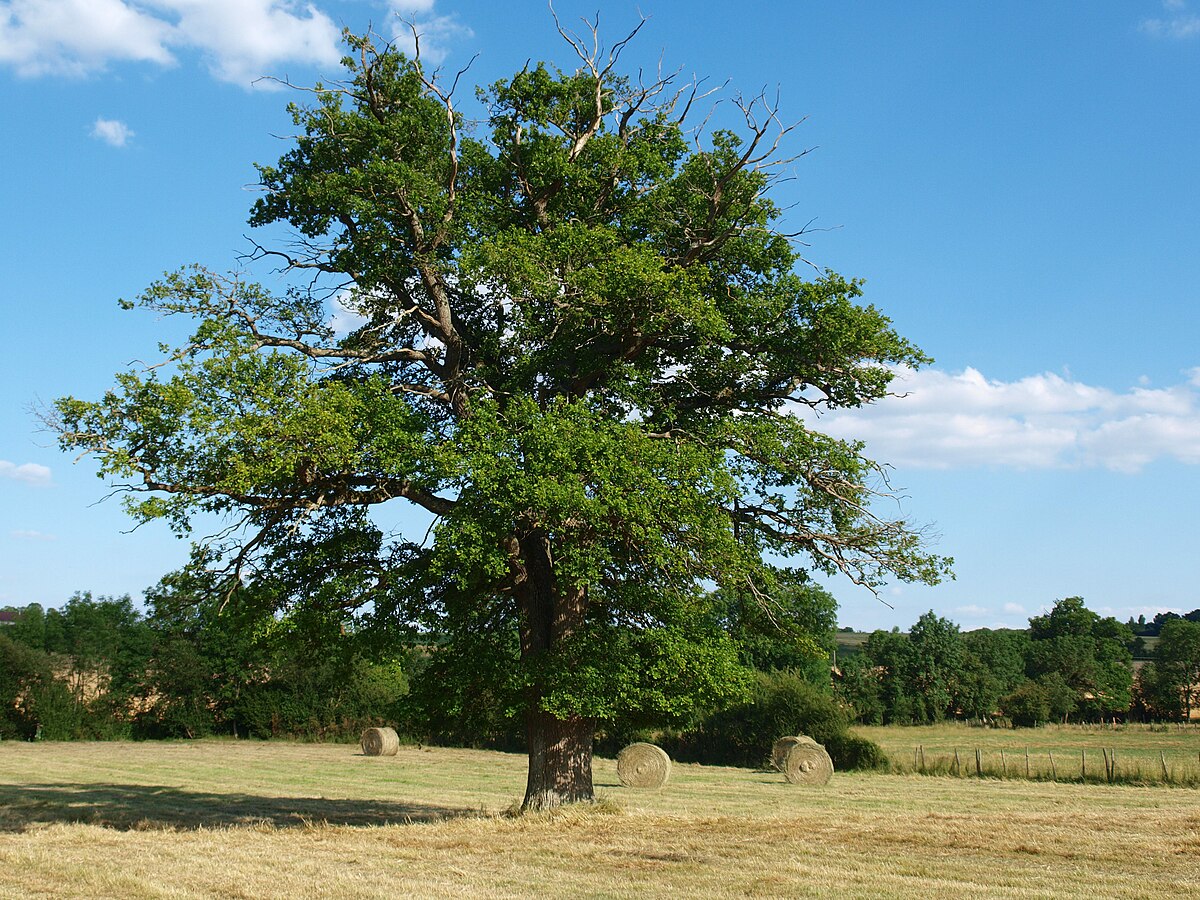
184	667
1071	664
98	668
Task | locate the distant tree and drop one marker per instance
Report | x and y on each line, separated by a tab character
888	652
35	702
103	646
977	689
1090	653
21	669
858	688
1062	698
1177	662
932	663
584	337
30	627
1156	695
204	656
1002	652
992	666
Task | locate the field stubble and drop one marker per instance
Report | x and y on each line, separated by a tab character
224	819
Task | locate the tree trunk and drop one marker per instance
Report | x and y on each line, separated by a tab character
560	749
560	761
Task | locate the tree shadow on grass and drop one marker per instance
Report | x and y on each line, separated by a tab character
128	807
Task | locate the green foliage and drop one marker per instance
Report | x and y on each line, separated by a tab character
326	699
1028	705
993	666
24	674
585	338
1176	681
795	631
851	752
1088	652
858	689
30	627
932	662
779	704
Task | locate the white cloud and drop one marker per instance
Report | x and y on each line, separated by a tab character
947	420
30	473
73	37
246	39
1178	23
973	610
112	132
1014	609
241	40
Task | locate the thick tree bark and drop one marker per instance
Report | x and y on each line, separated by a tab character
560	749
560	761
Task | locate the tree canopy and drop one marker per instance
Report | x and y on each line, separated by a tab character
585	341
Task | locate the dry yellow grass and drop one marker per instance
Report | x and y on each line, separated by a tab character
219	819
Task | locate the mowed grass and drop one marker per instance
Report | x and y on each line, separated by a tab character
255	820
1141	750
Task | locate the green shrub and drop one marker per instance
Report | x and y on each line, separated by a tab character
851	751
781	703
1028	705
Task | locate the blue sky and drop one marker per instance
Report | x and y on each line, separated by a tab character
1016	181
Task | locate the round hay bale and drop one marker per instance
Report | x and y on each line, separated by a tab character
808	763
643	765
779	750
380	742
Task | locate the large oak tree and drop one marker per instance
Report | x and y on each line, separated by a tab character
585	340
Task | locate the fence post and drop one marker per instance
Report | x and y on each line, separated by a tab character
1083	765
1027	762
1053	771
1162	757
957	764
1107	766
1003	764
978	764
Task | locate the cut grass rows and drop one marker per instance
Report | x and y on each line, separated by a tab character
223	819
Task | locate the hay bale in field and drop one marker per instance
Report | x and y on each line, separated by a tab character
643	765
808	763
780	749
380	742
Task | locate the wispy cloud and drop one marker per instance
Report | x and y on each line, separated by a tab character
344	315
951	420
29	473
1178	22
240	40
24	535
112	131
438	32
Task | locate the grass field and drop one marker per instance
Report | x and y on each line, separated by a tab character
255	820
1077	751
